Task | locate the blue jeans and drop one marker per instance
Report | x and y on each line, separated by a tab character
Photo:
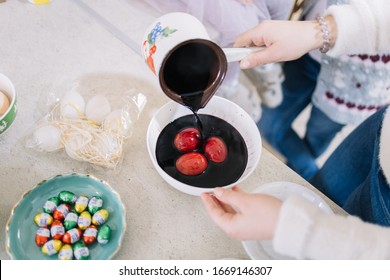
352	176
276	123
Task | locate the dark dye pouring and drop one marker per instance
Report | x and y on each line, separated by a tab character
192	72
216	174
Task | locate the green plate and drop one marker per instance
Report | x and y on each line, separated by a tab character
21	229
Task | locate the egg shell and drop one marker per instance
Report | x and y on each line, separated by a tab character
118	121
72	105
72	153
108	145
4	103
47	138
98	107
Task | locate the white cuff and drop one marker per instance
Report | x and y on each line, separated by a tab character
356	29
295	221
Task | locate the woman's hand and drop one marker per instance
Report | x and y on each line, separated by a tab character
284	40
241	215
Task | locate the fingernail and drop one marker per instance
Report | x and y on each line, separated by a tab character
218	192
244	64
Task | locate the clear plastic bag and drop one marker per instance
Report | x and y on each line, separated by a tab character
90	126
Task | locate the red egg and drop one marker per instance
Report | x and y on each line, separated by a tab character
215	149
187	140
192	163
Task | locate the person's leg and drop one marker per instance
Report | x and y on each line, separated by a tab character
352	176
320	131
275	123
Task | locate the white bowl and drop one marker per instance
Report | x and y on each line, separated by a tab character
7	87
218	107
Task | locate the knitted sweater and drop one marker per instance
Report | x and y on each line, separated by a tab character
303	231
350	88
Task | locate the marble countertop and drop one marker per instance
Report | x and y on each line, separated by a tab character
47	48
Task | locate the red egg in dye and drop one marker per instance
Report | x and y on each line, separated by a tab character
187	140
215	149
192	163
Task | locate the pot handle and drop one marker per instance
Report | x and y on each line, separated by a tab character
236	54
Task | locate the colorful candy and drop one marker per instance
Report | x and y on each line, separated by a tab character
89	236
66	253
42	236
100	217
95	204
61	212
81	204
72	236
80	251
84	220
51	205
104	234
43	219
67	197
51	247
70	220
69	232
57	230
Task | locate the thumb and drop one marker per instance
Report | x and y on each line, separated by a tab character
231	197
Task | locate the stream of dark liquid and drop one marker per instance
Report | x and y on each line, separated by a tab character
188	72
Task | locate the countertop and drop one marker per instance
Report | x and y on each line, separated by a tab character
46	48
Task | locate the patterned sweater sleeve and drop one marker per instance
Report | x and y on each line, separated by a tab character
305	232
363	26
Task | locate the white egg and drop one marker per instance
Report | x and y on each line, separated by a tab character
72	153
118	121
75	141
72	105
108	146
97	108
47	138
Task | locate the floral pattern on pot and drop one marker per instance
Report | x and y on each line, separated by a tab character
149	45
